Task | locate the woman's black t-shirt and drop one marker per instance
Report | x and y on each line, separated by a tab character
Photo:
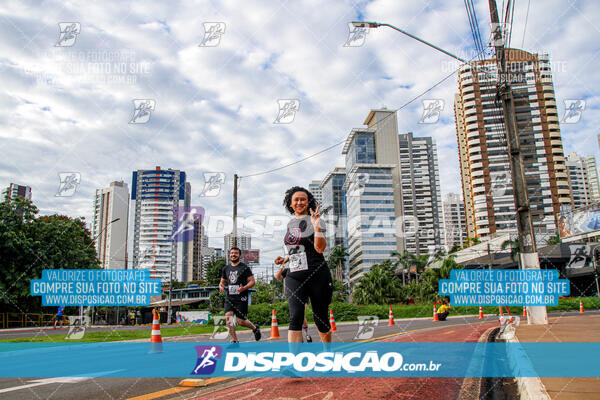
299	239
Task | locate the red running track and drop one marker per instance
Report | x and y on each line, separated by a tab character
363	388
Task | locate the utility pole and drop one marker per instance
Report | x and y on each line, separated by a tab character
527	247
234	233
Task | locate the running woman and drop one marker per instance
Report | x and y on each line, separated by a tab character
308	275
236	279
280	274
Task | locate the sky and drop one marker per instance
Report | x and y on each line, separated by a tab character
215	73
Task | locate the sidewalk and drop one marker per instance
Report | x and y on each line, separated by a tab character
574	328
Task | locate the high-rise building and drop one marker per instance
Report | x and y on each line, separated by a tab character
463	158
16	190
578	181
484	159
333	213
243	241
154	196
455	231
196	250
109	225
421	195
593	183
315	188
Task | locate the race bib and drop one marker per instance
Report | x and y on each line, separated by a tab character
298	262
233	289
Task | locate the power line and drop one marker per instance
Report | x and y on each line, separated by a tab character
525	27
343	141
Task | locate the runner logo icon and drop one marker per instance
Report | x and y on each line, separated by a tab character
207	359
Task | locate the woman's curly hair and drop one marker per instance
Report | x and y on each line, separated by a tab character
287	200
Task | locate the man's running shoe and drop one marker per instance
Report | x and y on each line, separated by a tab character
257	334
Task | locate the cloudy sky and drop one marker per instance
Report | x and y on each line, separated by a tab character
66	103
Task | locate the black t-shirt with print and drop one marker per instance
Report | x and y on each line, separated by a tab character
300	237
236	275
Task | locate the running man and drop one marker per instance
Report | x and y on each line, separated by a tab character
207	359
59	316
236	279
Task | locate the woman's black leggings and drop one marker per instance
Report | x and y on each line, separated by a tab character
317	286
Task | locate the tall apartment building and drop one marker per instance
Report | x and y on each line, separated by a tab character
392	192
154	194
196	250
16	190
315	188
109	225
593	182
485	168
455	231
421	195
333	212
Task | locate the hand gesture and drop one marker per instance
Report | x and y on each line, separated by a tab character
279	260
315	218
240	289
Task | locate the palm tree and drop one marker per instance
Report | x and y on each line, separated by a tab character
404	259
336	260
378	286
514	247
420	263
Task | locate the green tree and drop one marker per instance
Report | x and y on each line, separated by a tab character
217	301
29	244
265	293
471	241
427	288
340	292
420	263
379	286
402	263
336	259
514	247
213	271
553	240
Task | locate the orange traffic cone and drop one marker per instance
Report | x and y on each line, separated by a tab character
435	317
525	311
481	313
156	345
391	318
332	321
274	326
581	310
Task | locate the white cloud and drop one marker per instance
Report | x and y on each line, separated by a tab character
63	110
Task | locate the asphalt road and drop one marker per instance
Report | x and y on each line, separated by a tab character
126	388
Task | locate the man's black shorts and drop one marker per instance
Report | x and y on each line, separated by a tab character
59	317
237	306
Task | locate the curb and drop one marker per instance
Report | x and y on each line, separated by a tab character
471	386
530	388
